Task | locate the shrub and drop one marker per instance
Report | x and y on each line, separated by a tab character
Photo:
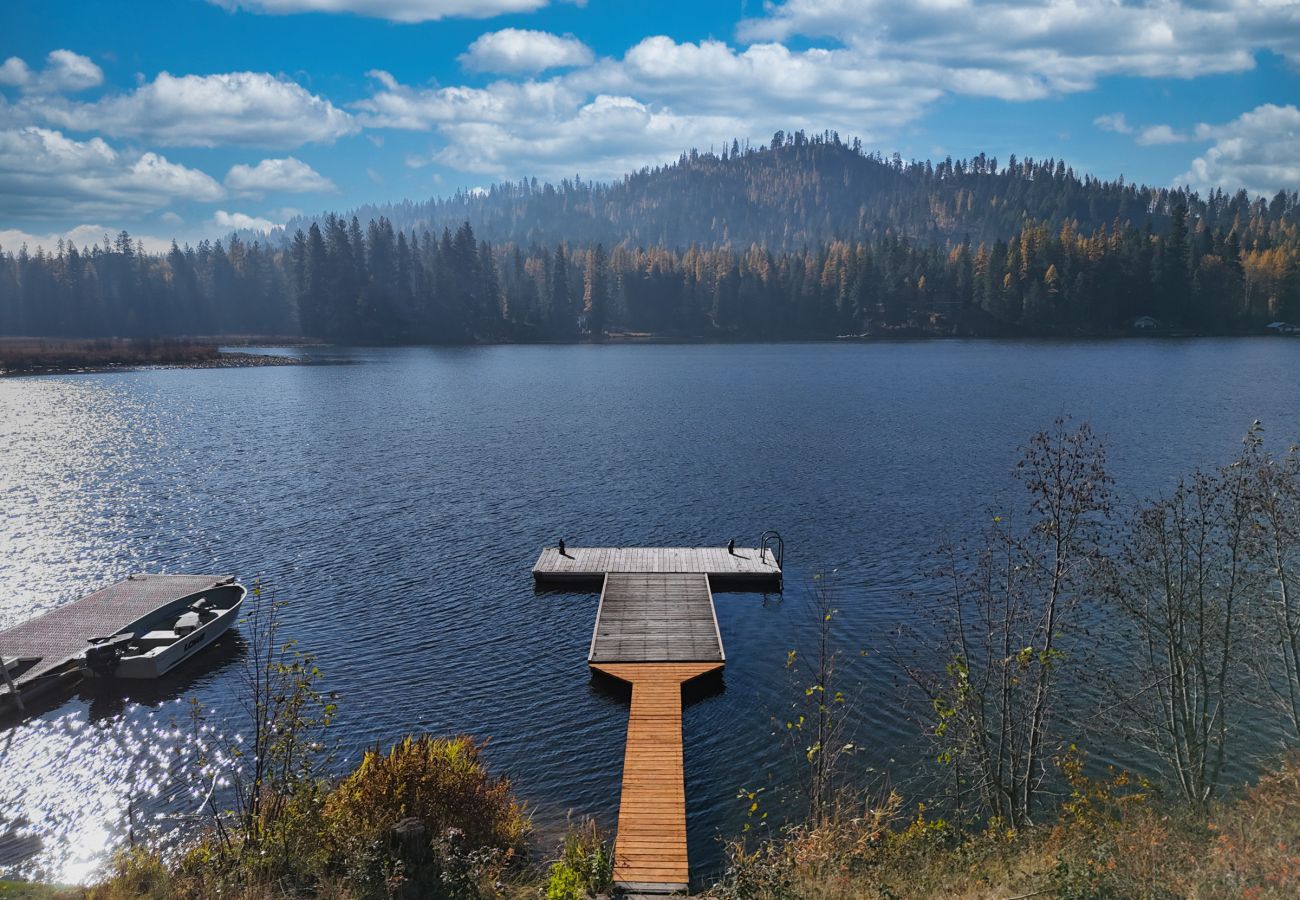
585	867
443	782
424	819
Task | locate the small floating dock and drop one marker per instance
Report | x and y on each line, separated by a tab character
749	567
656	629
38	653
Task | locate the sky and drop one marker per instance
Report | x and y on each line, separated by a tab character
189	118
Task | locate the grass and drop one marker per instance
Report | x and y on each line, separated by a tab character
23	355
1113	838
25	890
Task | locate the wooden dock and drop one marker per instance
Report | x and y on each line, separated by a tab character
45	646
744	566
650	848
656	618
656	629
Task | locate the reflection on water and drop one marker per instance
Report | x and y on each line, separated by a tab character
84	779
399	505
114	762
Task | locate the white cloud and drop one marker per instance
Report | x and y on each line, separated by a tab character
1146	136
45	174
64	71
80	236
1034	50
1159	134
1113	122
249	108
514	50
659	99
393	10
1258	151
867	68
14	72
288	174
237	221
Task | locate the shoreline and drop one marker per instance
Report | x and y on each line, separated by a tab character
223	360
241	359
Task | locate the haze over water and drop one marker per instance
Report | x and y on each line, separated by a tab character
399	505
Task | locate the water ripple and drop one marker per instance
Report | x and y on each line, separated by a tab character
399	507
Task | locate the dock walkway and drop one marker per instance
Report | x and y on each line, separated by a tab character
44	646
656	629
656	618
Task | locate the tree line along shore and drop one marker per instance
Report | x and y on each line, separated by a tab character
807	238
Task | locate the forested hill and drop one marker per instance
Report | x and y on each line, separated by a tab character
807	238
802	191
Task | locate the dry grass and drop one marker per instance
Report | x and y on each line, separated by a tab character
38	355
1113	839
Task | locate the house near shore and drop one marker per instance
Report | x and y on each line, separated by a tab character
1145	323
1283	328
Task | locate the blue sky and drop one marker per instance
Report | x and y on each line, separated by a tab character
190	117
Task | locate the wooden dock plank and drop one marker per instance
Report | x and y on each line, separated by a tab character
650	846
656	618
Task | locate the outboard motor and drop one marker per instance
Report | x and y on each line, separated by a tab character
105	653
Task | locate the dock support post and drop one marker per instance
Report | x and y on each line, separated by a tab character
13	689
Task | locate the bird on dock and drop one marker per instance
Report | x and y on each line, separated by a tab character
731	546
562	553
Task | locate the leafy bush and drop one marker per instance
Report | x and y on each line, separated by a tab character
424	819
442	782
585	867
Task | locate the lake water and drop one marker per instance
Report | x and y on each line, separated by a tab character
399	503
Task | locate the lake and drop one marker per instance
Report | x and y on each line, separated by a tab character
399	502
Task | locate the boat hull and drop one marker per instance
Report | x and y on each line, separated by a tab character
157	665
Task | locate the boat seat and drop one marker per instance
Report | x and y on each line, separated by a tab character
187	623
156	637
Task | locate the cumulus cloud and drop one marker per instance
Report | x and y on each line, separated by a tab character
393	10
250	108
661	97
516	50
1036	50
81	236
288	174
237	221
1258	151
1144	135
863	67
44	174
1115	122
1159	134
64	72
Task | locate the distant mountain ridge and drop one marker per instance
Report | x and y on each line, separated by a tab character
802	191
